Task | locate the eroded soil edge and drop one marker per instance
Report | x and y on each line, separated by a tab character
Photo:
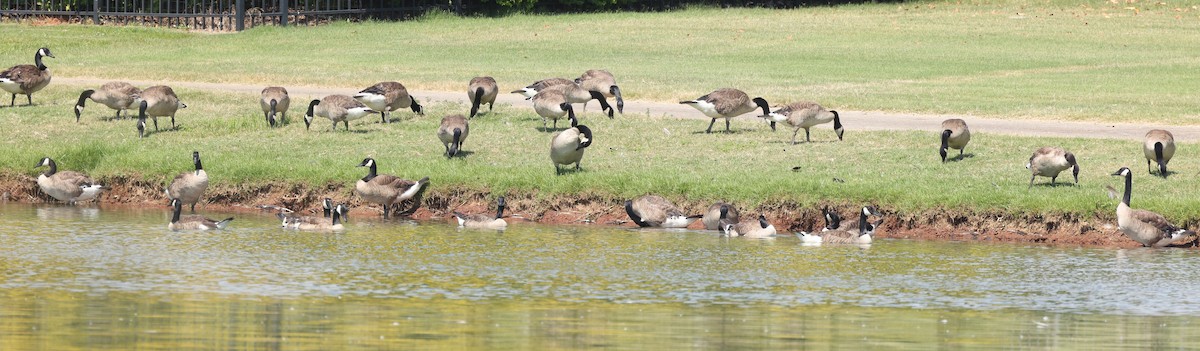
1067	229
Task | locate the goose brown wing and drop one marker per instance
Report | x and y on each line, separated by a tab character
121	87
75	178
1156	220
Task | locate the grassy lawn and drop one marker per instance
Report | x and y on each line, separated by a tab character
1101	61
1010	60
631	155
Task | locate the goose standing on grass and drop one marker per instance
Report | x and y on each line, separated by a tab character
26	79
954	135
484	221
750	229
157	101
1159	147
717	212
727	103
328	224
532	90
388	190
386	97
116	95
289	221
66	186
336	108
274	100
602	81
1148	228
189	187
567	146
1049	162
193	222
452	133
656	211
805	115
481	90
552	104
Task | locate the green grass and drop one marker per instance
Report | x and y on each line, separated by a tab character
1100	61
632	155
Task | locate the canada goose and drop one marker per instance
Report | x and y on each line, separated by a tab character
484	221
656	211
575	94
386	189
66	186
603	82
26	79
188	187
750	229
531	90
481	90
452	133
1049	161
1159	147
718	211
552	104
157	101
1148	228
850	224
567	146
954	135
832	222
837	232
337	108
805	115
192	222
293	221
332	224
727	103
116	95
274	100
386	97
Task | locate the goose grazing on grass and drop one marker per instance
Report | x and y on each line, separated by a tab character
336	108
1049	162
750	229
1148	228
481	90
567	146
484	221
717	212
552	104
805	115
157	101
727	103
188	187
532	90
602	81
656	211
116	95
26	79
452	133
331	223
386	97
66	186
274	100
1159	147
954	135
575	94
388	190
193	222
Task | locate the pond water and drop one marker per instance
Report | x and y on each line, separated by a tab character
87	278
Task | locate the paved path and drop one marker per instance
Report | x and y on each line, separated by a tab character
853	120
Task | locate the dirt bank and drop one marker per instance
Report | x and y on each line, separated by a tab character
1066	229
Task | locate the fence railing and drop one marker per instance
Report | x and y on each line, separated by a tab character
219	15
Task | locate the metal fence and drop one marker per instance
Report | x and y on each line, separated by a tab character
219	15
